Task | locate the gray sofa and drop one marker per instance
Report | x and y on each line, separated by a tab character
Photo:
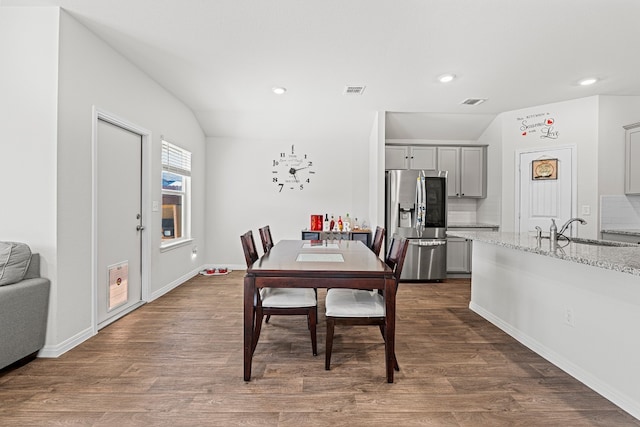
24	308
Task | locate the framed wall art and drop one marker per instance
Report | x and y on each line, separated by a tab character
544	169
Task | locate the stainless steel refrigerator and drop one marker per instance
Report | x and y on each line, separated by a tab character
416	208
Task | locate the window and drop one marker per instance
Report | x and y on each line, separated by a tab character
176	192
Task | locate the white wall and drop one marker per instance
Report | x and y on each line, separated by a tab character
59	71
242	196
28	108
576	122
93	74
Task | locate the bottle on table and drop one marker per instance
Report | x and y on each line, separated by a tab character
340	223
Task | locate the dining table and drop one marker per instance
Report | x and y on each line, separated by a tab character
320	264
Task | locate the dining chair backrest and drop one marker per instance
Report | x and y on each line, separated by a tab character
265	236
376	245
396	255
249	248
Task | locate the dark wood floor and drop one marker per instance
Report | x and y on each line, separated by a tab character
178	362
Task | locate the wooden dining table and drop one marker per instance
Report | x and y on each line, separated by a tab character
320	264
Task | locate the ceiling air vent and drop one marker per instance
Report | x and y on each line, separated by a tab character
473	101
353	90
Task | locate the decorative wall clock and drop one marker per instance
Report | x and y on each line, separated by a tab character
292	171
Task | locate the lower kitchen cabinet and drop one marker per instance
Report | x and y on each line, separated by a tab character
458	255
459	251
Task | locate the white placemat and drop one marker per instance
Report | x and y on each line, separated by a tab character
320	246
320	258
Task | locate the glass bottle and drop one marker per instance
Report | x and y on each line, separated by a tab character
340	223
332	224
347	222
325	226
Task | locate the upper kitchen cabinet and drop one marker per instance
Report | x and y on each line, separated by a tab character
409	157
467	172
632	159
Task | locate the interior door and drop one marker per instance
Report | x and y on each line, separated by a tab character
119	222
545	188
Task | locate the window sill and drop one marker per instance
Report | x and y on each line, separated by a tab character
176	244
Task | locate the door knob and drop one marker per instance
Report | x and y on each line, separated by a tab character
140	227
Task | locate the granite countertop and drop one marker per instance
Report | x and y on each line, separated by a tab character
472	225
633	232
623	257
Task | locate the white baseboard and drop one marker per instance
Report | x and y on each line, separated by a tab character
63	347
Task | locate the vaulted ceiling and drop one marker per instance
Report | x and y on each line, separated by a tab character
222	58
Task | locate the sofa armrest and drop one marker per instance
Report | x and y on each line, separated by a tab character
24	308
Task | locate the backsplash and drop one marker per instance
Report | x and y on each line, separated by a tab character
461	211
619	212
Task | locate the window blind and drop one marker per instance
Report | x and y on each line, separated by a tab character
176	159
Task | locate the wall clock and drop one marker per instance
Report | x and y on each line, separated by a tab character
292	171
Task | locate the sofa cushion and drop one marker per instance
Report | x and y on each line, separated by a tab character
14	262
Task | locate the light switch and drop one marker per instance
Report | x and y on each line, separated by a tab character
155	206
586	210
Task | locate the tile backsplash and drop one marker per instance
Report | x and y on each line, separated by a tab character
461	211
619	212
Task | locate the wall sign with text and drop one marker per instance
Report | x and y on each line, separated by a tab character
542	125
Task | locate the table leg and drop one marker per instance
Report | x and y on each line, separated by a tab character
249	293
390	326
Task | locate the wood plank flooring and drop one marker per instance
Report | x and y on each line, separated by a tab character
178	362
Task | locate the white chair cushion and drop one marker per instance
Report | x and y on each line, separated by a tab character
354	303
288	297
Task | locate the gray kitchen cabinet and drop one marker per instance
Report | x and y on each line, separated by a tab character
458	255
410	157
467	172
632	159
460	250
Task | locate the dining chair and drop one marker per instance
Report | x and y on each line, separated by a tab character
363	307
280	301
265	236
376	245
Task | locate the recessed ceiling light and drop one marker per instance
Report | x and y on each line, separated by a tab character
588	81
446	78
279	90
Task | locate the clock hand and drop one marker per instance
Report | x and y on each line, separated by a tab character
292	171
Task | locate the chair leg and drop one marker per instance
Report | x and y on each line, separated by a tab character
257	328
313	321
329	344
395	360
267	319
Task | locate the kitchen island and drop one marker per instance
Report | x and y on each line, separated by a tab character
576	305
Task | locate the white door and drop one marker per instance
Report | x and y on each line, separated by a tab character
118	222
547	191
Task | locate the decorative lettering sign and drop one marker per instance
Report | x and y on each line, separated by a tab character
544	169
541	124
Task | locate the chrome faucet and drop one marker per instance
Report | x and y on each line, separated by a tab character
566	224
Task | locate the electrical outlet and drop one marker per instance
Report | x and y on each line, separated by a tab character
586	210
569	317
